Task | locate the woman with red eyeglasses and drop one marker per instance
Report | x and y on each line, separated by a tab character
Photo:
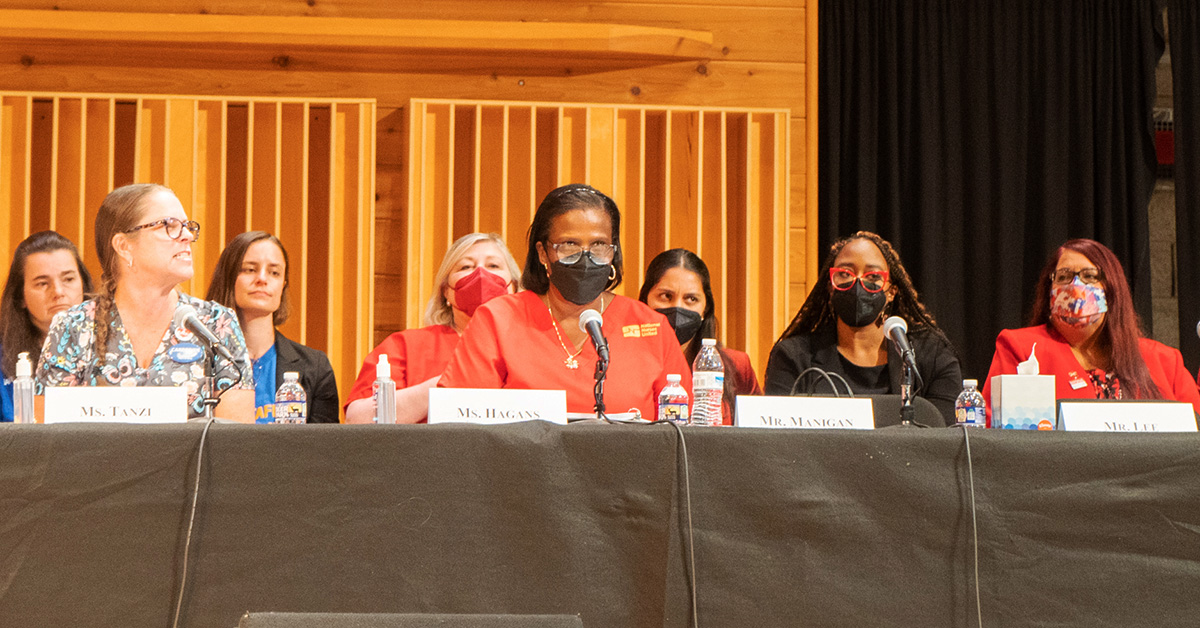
839	329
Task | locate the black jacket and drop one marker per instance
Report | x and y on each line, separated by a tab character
316	376
936	362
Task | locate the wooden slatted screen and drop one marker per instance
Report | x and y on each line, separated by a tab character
303	169
712	180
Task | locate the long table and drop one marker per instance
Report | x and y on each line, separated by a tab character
791	528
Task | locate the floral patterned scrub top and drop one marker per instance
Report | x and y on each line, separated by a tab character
68	356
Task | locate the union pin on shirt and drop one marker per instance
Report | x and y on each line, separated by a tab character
644	330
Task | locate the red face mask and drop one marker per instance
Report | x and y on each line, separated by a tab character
478	288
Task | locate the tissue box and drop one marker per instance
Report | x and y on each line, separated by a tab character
1023	402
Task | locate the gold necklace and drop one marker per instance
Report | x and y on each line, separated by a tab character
570	362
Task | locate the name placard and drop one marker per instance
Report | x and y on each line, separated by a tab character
1126	416
805	413
493	406
116	404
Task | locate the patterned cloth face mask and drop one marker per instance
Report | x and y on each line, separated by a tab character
1077	304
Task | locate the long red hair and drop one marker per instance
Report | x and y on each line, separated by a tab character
1121	331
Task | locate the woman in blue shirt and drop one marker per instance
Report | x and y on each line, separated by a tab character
46	277
251	278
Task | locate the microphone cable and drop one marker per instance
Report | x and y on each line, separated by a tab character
187	543
974	522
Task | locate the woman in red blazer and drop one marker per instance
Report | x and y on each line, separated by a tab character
1087	335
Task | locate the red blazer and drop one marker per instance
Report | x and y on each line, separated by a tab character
1054	357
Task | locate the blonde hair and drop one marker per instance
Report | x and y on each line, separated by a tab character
438	311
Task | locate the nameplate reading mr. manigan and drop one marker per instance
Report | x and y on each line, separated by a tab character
116	404
492	406
805	413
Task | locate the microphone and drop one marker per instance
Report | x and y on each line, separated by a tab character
1198	329
185	315
590	321
897	331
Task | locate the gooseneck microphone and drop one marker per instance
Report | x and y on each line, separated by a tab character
896	330
186	316
590	322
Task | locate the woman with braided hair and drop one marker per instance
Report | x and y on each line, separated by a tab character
131	334
840	328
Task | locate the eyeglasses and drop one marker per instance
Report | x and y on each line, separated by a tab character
174	227
569	252
844	278
1086	275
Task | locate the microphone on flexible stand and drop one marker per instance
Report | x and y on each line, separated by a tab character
896	330
185	316
590	321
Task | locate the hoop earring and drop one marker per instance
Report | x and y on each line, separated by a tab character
612	275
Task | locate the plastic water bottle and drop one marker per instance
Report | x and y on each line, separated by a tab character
291	404
708	384
673	401
383	391
969	408
23	390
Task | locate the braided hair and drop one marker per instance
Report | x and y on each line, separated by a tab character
817	311
120	211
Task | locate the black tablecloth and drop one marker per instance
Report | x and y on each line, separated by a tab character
791	527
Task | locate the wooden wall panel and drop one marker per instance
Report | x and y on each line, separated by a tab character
763	54
59	157
608	146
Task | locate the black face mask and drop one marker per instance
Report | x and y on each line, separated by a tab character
581	282
685	322
857	307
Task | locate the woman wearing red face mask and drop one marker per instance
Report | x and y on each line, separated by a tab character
477	268
1086	334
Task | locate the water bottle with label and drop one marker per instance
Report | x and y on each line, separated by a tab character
708	384
970	409
673	401
291	404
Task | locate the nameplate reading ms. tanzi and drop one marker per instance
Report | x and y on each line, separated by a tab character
115	404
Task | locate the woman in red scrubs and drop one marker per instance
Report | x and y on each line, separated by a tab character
532	339
476	268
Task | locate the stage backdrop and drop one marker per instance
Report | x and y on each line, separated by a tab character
979	136
1184	26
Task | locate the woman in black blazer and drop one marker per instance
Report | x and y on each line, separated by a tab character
251	278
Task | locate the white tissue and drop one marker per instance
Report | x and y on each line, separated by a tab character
1030	366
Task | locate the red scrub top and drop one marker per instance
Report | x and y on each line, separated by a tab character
511	343
1054	356
415	354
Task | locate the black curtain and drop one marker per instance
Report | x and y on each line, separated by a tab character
978	136
1183	17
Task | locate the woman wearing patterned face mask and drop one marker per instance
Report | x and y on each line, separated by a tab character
532	339
839	329
677	286
1086	334
476	268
